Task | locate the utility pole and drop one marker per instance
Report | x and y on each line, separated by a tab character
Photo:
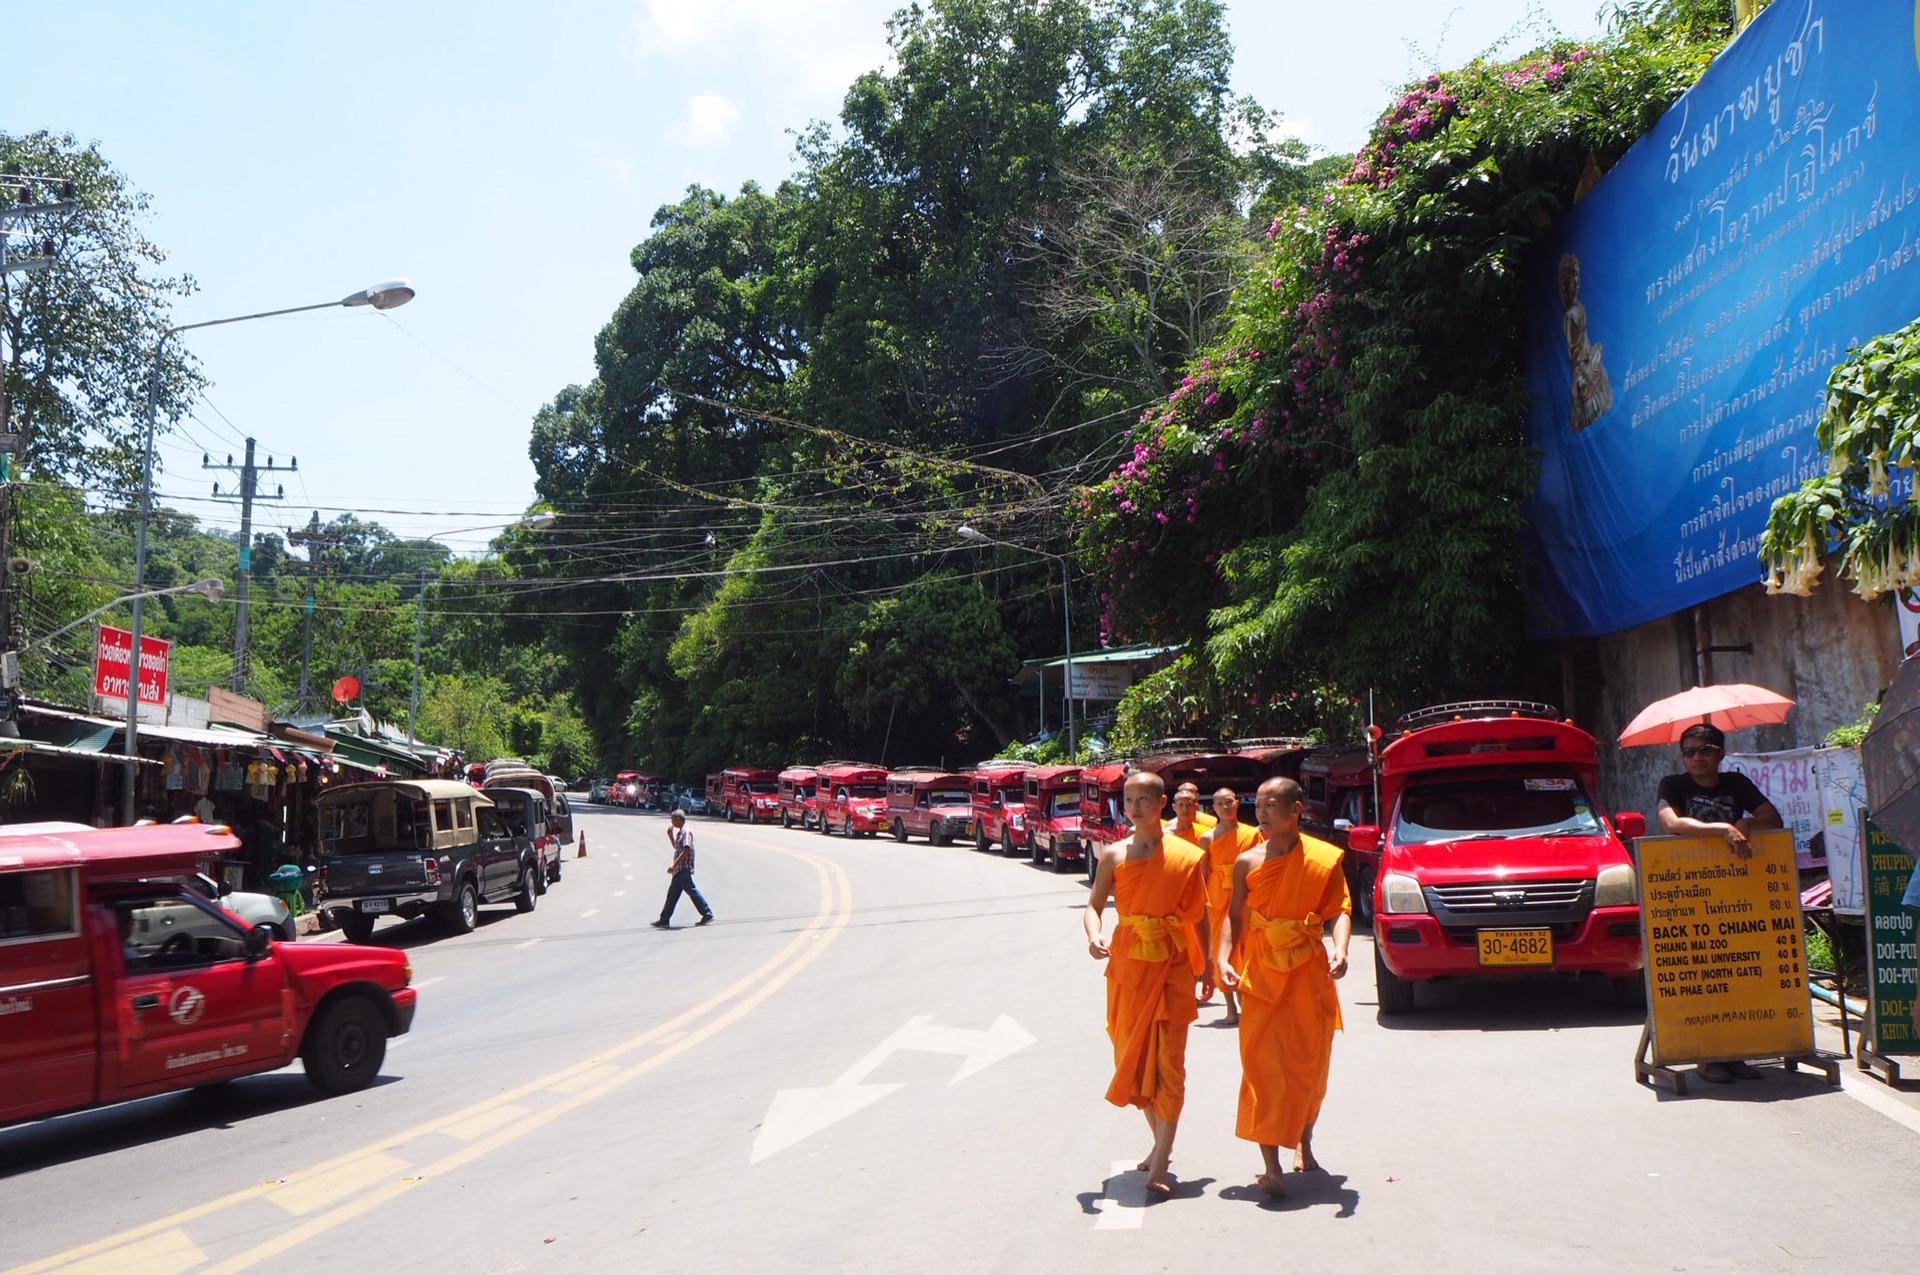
315	540
249	492
17	206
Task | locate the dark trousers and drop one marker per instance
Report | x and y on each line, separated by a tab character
683	884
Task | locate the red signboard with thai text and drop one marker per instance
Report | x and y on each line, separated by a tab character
110	661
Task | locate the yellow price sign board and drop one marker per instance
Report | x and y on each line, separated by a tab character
1726	964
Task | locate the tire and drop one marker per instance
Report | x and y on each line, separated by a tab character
786	819
345	1044
356	925
1630	992
822	827
900	830
1058	864
554	876
1007	848
528	895
1360	890
1034	854
849	829
729	814
462	912
1395	994
980	842
752	816
540	876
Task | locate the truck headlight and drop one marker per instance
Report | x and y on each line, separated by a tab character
1401	894
1615	887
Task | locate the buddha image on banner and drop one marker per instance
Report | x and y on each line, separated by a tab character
1685	314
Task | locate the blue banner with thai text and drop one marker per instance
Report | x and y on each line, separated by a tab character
1684	317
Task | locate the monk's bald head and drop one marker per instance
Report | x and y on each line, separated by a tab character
1142	782
1226	804
1144	796
1282	791
1277	806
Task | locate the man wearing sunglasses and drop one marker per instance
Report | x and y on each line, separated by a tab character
1702	802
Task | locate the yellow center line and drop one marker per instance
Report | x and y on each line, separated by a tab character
751	990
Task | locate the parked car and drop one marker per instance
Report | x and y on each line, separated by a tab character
691	801
751	793
1000	806
799	807
121	981
597	790
928	802
528	813
853	798
410	847
716	800
1495	857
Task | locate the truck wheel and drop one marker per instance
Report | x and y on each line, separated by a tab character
1035	852
1630	992
555	874
850	830
540	876
1394	994
751	816
462	913
526	897
941	839
786	820
1360	890
900	830
345	1045
356	925
729	814
1058	863
980	842
822	827
1007	848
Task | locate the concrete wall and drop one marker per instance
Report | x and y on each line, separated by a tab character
1830	653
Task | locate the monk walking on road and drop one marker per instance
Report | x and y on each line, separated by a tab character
1159	889
1284	889
1224	845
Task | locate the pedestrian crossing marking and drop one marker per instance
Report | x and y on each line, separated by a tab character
1124	1206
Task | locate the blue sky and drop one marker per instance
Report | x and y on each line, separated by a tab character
505	157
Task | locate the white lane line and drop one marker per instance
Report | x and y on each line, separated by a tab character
589	912
528	943
1124	1206
618	893
1869	1094
629	876
429	982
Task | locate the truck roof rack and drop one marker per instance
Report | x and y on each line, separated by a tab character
1272	741
1478	709
1181	744
1003	763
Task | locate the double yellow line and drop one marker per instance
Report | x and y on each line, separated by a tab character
369	1175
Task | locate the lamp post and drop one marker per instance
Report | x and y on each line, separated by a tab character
533	522
381	296
1066	611
211	588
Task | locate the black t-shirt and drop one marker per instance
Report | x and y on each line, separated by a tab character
1732	799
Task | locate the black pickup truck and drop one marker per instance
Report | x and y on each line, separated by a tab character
413	847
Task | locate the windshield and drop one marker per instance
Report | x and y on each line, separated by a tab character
1064	803
763	789
952	797
1495	806
867	790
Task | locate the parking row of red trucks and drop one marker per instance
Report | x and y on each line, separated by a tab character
1475	842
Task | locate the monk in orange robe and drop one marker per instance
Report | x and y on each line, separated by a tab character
1159	890
1284	891
1185	825
1224	845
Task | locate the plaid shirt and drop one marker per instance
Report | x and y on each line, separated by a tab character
682	839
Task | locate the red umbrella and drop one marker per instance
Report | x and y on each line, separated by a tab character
1733	706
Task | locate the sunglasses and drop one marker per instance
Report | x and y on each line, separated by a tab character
1701	750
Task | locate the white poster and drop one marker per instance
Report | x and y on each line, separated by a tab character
1787	779
1843	788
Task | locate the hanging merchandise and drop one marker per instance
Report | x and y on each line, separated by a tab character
176	769
229	776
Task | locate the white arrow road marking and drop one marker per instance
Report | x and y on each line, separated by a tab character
1124	1206
797	1114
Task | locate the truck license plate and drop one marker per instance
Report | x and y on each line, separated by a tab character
373	905
1516	947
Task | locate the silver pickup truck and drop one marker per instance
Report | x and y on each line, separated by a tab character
418	847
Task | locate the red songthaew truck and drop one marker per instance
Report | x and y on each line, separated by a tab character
118	980
799	808
751	793
929	802
1000	805
852	797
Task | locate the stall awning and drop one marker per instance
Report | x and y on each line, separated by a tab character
372	752
206	736
40	748
1037	670
64	728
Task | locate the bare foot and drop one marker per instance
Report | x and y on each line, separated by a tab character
1303	1160
1147	1163
1159	1185
1231	1020
1270	1183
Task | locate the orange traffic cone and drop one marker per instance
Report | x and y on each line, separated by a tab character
581	841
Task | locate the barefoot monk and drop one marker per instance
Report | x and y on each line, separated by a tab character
1224	845
1159	890
1285	889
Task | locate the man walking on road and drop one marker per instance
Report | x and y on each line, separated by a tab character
1159	889
680	837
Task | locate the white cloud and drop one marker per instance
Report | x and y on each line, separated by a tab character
815	46
708	120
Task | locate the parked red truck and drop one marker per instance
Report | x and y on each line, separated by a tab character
1496	857
853	798
118	980
799	808
751	793
1000	806
924	801
1053	818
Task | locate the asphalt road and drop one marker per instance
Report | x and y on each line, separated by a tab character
891	1057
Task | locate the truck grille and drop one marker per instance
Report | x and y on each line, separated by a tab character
1495	899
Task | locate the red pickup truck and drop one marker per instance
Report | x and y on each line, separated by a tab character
118	980
1053	818
1000	806
798	806
751	793
927	802
853	798
1496	857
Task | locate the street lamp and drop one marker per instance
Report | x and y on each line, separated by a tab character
381	296
211	588
533	522
1066	610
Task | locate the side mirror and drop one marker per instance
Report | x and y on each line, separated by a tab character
1630	824
1363	837
259	939
1343	824
226	888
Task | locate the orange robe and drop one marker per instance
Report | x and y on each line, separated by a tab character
1151	962
1288	1007
1221	854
